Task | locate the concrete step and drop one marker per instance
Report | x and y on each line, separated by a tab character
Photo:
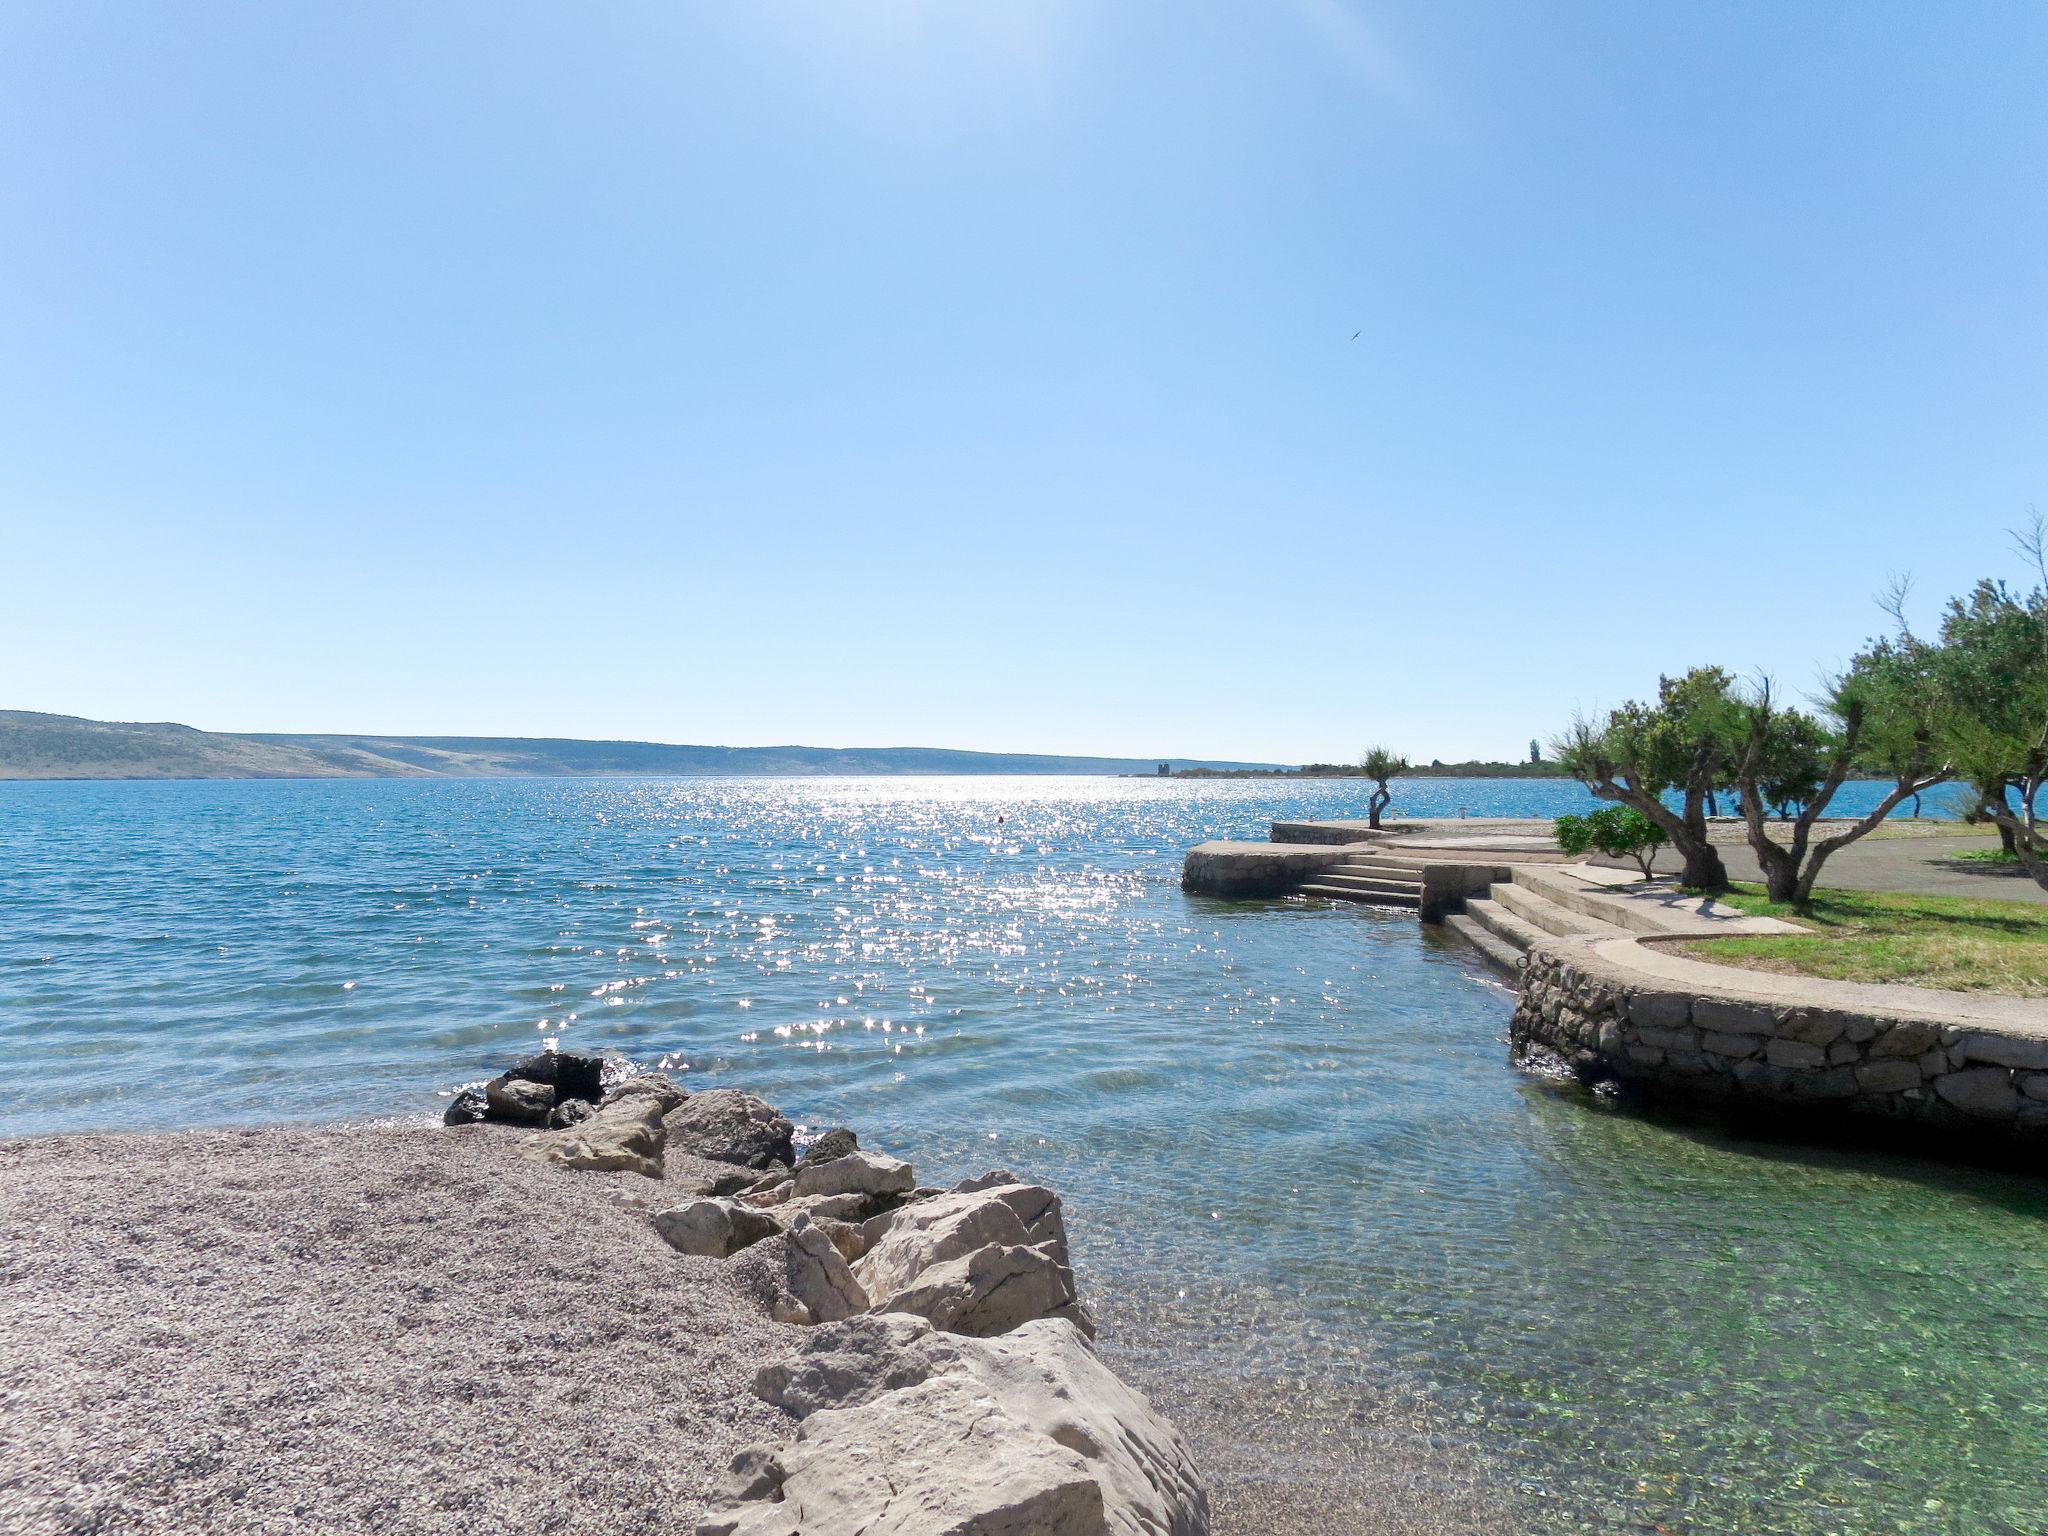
1399	874
1503	924
1379	898
1562	890
1499	953
1392	887
1533	905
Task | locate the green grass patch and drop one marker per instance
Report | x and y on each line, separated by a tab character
1985	856
1929	941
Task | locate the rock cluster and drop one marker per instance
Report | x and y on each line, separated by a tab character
555	1088
951	1345
907	1429
1606	1026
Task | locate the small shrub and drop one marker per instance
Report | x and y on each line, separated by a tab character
1619	831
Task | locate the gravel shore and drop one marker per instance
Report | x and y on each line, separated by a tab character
410	1329
400	1329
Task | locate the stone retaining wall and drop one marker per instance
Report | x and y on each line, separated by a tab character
1606	1022
1244	871
1327	832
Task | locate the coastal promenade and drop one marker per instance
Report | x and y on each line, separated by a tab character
1609	990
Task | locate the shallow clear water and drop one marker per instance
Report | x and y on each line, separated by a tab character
1293	1151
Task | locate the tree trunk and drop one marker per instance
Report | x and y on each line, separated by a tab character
1703	870
1376	804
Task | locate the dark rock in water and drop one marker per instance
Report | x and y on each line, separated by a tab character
519	1100
833	1144
570	1075
570	1112
467	1108
728	1126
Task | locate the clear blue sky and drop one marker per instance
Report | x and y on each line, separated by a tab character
983	374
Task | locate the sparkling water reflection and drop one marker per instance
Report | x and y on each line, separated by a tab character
1295	1156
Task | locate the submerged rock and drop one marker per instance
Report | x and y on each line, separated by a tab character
729	1126
1028	1433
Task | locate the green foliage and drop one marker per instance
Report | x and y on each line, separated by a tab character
1789	756
1691	734
1987	679
1618	831
1382	764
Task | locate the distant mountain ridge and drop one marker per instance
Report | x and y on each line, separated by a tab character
39	746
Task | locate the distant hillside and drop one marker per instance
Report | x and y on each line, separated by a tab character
34	746
63	747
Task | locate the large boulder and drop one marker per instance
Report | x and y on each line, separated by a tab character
985	1256
728	1126
714	1228
799	1276
626	1137
855	1173
1025	1435
655	1085
992	1290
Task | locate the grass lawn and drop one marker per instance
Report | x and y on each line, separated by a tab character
1928	941
1985	856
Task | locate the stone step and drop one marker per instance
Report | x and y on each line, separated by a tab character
1393	873
1562	890
1503	924
1499	953
1534	905
1366	882
1352	893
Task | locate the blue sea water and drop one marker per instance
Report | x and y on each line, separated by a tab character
1293	1149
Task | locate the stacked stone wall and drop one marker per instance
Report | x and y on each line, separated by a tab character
1605	1024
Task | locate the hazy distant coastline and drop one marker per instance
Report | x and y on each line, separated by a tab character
40	746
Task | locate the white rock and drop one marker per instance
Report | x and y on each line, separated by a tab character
819	1276
625	1136
713	1228
857	1173
991	1290
938	1237
910	1432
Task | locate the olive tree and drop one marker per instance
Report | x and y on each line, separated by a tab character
1380	764
1880	714
1989	673
1684	744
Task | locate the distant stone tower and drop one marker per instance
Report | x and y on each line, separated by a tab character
1165	770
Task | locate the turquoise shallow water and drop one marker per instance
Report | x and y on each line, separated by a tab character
1294	1153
